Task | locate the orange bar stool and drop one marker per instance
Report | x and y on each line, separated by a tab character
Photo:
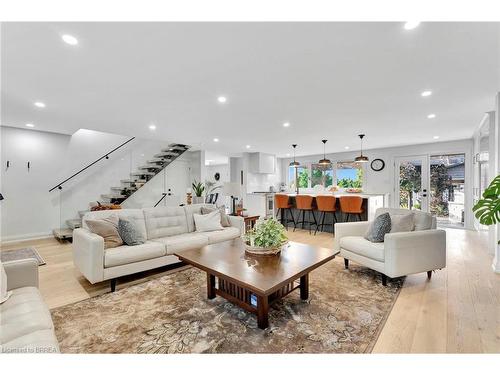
351	206
281	202
326	204
304	203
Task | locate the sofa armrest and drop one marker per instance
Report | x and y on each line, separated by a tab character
357	228
88	254
413	252
21	273
237	222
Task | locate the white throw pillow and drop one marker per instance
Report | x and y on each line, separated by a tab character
208	222
402	223
4	295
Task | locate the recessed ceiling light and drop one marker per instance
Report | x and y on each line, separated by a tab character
70	39
152	127
222	99
436	137
30	125
287	154
346	147
216	139
247	146
286	124
410	25
39	104
426	93
432	115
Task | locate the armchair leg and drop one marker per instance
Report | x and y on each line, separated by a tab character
384	280
429	274
113	285
346	263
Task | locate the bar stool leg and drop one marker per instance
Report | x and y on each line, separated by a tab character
291	214
359	216
321	214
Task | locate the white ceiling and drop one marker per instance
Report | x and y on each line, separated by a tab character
329	80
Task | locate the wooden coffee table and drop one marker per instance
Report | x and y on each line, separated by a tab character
255	282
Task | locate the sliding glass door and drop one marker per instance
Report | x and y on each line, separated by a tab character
412	180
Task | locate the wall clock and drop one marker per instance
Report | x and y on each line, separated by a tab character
217	176
377	165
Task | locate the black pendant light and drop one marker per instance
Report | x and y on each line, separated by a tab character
361	158
324	161
294	163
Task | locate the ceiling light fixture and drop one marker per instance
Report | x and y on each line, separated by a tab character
216	139
152	127
361	158
346	148
432	115
222	99
70	39
410	25
39	104
324	161
247	146
294	163
436	137
286	124
30	125
426	93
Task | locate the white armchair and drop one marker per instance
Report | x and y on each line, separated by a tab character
401	253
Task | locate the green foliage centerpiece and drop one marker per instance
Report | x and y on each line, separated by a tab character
266	238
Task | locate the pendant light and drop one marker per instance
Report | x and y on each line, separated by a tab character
294	163
361	158
324	161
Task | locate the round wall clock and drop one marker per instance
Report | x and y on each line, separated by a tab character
217	176
377	165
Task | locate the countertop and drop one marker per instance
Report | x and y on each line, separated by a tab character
339	194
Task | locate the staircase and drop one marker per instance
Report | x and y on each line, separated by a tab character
137	179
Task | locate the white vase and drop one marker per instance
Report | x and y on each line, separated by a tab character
198	200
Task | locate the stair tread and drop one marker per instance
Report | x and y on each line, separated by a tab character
74	223
63	233
142	173
112	196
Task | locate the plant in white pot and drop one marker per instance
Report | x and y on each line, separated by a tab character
267	238
487	209
198	190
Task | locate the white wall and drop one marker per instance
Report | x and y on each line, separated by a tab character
29	210
383	182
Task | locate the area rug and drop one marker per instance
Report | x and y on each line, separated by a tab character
344	314
18	254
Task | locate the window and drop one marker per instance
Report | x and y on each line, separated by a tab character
321	175
303	176
349	174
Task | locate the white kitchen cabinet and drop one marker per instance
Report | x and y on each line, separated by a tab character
262	163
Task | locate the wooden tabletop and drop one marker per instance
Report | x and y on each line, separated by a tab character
262	275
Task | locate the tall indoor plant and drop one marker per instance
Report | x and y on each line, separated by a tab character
487	209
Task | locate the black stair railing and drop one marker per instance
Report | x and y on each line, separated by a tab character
105	156
162	198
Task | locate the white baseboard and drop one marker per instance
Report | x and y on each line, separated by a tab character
25	237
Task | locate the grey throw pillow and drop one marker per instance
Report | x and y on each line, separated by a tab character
402	223
379	228
129	233
224	219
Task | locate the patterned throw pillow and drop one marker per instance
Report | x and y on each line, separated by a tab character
129	233
379	228
224	219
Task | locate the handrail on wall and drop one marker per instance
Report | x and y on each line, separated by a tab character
105	156
162	198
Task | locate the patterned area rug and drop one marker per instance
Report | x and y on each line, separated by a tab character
18	254
345	313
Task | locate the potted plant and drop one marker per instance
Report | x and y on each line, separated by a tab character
198	190
266	238
487	209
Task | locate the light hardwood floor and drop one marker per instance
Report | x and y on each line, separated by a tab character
458	311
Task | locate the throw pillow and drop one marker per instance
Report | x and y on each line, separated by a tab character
379	228
129	233
107	228
208	222
402	223
4	295
224	219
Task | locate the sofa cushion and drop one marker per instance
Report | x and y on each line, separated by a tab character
224	218
208	222
422	220
402	223
130	234
130	214
194	209
23	313
107	228
165	221
379	228
118	256
41	341
363	247
181	242
225	234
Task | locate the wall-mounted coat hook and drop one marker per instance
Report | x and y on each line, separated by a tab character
8	164
29	164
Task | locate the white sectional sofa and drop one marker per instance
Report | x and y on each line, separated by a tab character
167	229
401	253
25	321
